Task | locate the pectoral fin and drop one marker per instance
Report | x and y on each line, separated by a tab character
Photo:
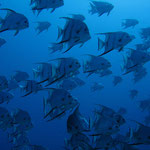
17	31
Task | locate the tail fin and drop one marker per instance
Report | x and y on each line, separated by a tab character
56	47
60	31
1	20
123	24
101	44
35	73
93	9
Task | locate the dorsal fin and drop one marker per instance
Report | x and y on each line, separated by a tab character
67	18
9	11
60	32
78	17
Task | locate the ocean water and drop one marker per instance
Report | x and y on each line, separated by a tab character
21	52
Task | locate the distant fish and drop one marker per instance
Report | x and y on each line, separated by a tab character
117	80
129	23
144	105
134	60
145	33
68	84
145	46
100	8
42	26
39	5
139	74
96	87
95	64
133	93
71	83
13	21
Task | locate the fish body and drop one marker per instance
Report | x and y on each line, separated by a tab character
100	8
13	21
114	40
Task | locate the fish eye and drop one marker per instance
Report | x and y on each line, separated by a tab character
17	23
77	31
69	96
69	127
118	120
76	127
70	66
63	99
102	64
110	128
120	40
24	118
2	116
11	123
139	138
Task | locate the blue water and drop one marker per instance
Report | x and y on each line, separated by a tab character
25	49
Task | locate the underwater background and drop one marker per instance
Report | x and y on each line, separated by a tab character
21	52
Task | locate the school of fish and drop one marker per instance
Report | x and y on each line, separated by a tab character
60	76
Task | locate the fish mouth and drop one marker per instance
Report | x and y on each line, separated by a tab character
109	65
89	37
